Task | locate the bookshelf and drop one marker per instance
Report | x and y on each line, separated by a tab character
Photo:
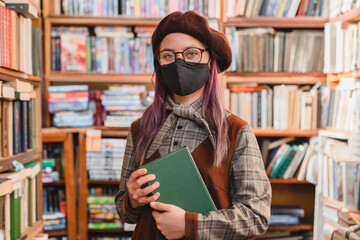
284	190
27	216
68	183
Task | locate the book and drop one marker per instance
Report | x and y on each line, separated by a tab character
180	182
22	6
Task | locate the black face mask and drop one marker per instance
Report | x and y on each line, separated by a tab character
184	79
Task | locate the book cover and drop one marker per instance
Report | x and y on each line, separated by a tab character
180	182
73	53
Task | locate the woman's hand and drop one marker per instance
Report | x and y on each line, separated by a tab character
137	195
171	222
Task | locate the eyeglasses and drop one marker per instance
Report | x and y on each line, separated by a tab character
190	55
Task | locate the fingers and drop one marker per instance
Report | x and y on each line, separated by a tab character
146	200
136	174
161	206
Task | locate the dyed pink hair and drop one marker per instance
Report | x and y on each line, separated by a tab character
213	112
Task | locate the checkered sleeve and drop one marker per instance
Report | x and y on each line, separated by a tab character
126	212
249	194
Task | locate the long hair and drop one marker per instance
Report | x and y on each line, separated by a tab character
213	112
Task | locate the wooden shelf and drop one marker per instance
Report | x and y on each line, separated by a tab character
287	181
297	22
351	16
106	131
11	75
30	232
292	227
338	76
275	78
57	233
25	157
58	183
109	231
96	21
98	77
266	132
103	182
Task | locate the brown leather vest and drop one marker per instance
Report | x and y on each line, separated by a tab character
215	178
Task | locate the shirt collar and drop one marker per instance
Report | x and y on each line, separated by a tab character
192	112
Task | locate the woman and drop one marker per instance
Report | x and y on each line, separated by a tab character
188	110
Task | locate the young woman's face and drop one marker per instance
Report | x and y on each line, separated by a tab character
178	42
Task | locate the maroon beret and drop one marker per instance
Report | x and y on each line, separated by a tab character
198	27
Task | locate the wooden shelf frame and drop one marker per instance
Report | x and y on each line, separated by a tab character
11	75
268	132
276	22
351	16
99	78
31	231
67	140
292	227
29	156
287	181
57	233
274	78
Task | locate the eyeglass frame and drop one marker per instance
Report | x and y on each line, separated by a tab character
202	50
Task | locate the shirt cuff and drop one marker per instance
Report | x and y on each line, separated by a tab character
128	208
191	225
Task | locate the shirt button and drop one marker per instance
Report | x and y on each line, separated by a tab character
179	127
176	143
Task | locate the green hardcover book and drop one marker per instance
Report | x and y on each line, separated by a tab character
287	161
180	182
279	162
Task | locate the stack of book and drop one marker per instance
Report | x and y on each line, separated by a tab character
22	55
266	50
280	107
286	8
339	222
53	162
122	104
106	164
70	106
111	50
18	200
286	215
102	209
19	130
54	209
136	8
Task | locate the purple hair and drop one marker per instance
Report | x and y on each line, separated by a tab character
213	112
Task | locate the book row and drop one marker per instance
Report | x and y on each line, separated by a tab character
284	160
137	8
342	47
19	42
340	174
267	50
54	209
278	8
279	107
19	121
112	50
340	7
18	200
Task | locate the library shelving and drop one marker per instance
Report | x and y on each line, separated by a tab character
66	139
285	192
27	180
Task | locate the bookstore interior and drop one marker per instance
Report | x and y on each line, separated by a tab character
75	74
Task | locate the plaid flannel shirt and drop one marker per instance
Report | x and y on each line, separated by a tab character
249	187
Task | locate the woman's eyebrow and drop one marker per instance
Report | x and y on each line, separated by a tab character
173	50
